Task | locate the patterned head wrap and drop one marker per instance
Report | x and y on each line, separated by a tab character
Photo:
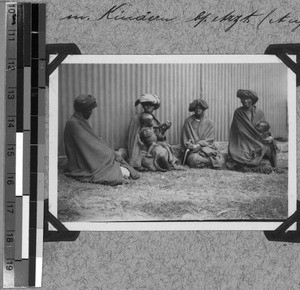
149	98
84	103
201	103
242	94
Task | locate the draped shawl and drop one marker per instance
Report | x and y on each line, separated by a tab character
89	157
246	144
205	131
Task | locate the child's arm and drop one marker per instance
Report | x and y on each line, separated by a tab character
140	141
150	149
139	138
269	139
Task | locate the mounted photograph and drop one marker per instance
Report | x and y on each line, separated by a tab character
172	142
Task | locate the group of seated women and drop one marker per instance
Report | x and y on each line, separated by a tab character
91	160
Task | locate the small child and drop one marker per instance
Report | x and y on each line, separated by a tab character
263	128
147	134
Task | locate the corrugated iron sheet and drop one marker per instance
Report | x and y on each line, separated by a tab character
118	86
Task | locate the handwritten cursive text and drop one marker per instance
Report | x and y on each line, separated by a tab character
120	13
124	12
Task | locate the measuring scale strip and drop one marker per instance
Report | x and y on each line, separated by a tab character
10	152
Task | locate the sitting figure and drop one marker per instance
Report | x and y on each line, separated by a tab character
90	159
159	150
146	134
197	141
149	103
263	128
247	146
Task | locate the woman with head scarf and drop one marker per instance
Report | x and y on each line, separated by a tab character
246	144
197	140
89	157
136	148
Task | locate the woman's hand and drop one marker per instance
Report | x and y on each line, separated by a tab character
168	124
269	140
192	146
203	143
165	126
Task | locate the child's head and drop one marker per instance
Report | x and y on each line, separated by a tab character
147	119
262	126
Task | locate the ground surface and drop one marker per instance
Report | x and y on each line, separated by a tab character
193	194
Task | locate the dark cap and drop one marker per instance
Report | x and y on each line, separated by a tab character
198	103
85	103
242	94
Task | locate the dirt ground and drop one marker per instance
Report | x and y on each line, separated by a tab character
190	194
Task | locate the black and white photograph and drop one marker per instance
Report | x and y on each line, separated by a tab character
172	142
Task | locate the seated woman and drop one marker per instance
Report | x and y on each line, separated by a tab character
136	150
246	144
89	157
198	139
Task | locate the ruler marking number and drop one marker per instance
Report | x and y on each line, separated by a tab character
11	65
9	237
10	180
11	95
10	151
11	123
9	265
10	208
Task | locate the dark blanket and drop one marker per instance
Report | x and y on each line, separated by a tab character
89	157
205	132
246	144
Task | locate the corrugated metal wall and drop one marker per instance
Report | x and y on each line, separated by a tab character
117	86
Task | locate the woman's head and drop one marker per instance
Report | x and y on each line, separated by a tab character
248	98
198	107
148	107
149	102
84	105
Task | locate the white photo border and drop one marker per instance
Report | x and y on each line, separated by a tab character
171	225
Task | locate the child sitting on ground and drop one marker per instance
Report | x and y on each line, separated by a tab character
147	134
263	128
